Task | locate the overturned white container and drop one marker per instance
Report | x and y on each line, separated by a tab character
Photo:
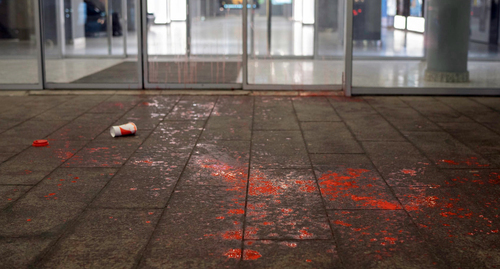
122	130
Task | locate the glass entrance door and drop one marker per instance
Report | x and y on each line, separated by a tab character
193	43
20	56
91	43
295	44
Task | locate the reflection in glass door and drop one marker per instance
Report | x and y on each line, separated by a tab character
295	44
199	47
89	43
20	57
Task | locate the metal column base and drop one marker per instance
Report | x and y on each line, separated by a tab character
450	77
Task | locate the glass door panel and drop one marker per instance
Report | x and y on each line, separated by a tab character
91	42
195	48
19	43
295	42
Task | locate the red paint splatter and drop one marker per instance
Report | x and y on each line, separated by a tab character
236	212
251	231
251	255
409	172
472	161
305	234
93	150
335	185
289	244
260	185
391	240
339	222
308	186
382	204
233	254
232	235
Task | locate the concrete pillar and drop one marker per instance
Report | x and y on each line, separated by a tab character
447	40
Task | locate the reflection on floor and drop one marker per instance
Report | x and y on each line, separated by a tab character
411	74
273	72
250	182
303	72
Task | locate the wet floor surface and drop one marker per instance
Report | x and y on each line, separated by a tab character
250	182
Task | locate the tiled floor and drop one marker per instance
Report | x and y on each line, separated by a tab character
250	182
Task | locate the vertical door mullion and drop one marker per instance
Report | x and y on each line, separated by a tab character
109	27
316	29
125	26
348	47
142	37
39	43
188	30
245	43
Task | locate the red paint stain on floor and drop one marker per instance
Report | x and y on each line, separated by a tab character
305	234
338	185
232	235
339	222
233	254
471	161
409	172
290	244
236	212
251	255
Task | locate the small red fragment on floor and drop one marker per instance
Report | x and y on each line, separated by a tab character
148	221
40	143
151	213
268	223
28	220
133	189
52	194
76	178
251	255
233	253
308	260
220	217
